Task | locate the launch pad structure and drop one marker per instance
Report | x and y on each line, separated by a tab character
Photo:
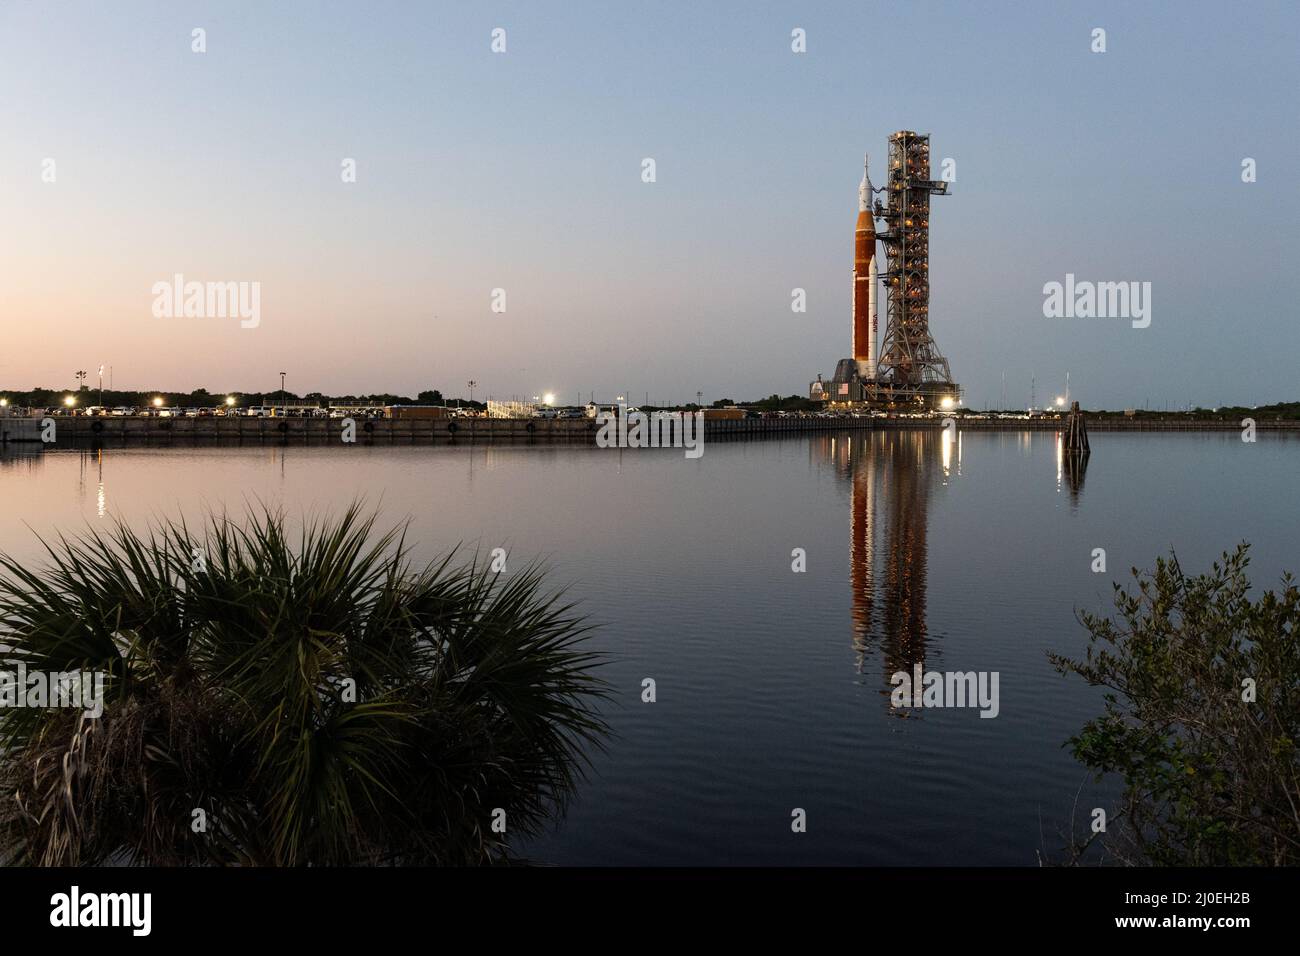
908	371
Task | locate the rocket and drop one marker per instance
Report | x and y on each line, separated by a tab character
864	283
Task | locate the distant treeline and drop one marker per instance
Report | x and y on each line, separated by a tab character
1286	410
202	398
1283	410
1227	413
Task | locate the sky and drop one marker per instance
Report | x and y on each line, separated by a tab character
522	171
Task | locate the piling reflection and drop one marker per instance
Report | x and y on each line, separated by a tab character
891	475
1072	467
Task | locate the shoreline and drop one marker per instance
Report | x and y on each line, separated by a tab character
80	430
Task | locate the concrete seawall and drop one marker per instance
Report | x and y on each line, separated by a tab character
751	426
19	429
1093	424
76	429
80	430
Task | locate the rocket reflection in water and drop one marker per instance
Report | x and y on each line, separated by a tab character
891	475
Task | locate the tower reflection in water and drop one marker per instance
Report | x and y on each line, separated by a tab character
891	476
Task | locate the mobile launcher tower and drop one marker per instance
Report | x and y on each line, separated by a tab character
909	371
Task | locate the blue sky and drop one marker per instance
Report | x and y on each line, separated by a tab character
521	171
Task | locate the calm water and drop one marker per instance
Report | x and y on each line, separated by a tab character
773	686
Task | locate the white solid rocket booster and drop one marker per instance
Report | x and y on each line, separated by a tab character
874	282
865	280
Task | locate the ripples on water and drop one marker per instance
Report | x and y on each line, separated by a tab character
773	687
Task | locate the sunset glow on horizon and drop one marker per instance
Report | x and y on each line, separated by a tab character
521	171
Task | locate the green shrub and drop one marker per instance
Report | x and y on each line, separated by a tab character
1211	776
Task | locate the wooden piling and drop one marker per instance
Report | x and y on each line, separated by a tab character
1076	433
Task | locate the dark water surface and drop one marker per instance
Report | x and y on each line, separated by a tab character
772	687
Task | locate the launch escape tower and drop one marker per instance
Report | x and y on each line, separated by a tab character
910	364
909	369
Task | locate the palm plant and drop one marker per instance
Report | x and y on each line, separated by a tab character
273	699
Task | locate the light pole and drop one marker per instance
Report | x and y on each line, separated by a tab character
472	385
101	385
